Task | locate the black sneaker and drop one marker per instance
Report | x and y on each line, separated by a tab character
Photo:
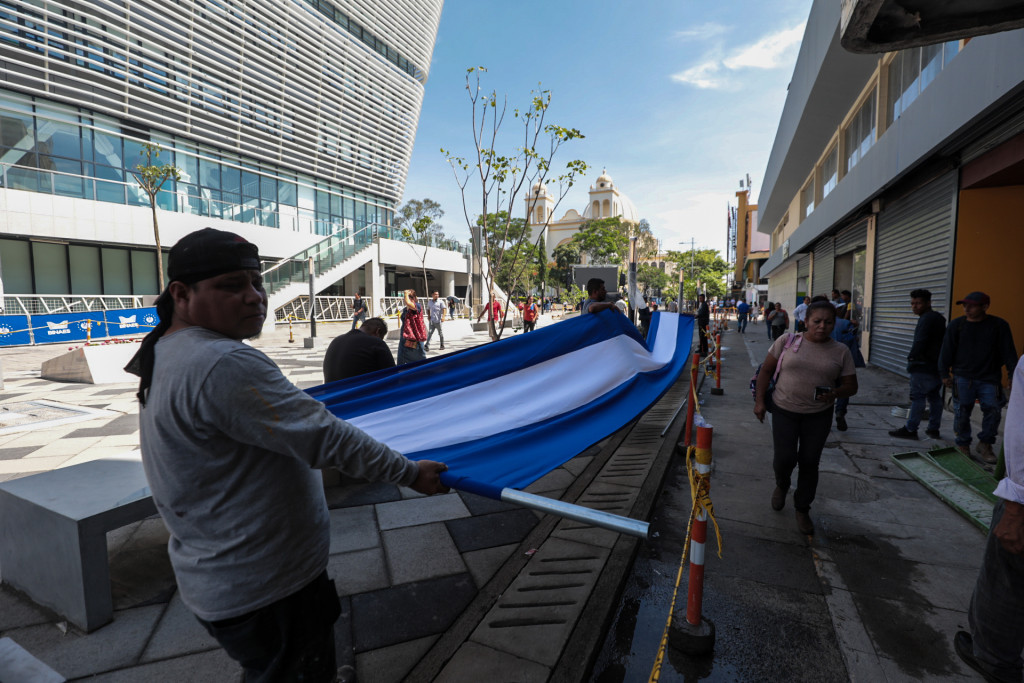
934	433
903	433
841	422
963	643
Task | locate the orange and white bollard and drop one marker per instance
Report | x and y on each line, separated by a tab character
696	635
717	391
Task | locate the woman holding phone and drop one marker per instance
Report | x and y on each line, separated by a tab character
815	371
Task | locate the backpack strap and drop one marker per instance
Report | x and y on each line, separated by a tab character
792	340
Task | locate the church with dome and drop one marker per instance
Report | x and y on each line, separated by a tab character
606	201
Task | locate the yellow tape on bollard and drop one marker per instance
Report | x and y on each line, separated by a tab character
700	492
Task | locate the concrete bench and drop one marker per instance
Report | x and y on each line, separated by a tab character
53	534
16	664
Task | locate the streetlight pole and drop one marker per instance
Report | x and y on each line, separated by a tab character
632	278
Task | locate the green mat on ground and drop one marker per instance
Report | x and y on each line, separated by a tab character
956	479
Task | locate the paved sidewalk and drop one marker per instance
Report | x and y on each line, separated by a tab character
875	594
453	587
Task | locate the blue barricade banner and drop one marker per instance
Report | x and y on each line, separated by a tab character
14	330
64	327
129	321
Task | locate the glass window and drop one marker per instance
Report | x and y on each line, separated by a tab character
860	134
231	179
143	272
931	63
950	50
116	271
50	267
250	185
807	199
59	139
209	174
16	266
830	172
107	149
286	193
85	270
16	131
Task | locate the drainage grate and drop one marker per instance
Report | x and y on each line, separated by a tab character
24	416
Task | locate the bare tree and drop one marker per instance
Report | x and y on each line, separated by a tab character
500	179
417	221
151	178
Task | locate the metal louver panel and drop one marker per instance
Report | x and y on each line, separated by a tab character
852	237
914	249
803	267
824	264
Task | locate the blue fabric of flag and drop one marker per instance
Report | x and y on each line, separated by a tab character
506	413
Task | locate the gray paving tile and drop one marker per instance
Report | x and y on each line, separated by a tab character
410	611
475	662
421	552
576	465
359	571
488	531
115	646
17	452
391	664
484	563
353	529
352	495
178	633
555	480
124	424
214	665
420	511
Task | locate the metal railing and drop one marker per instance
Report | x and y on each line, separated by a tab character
340	308
43	304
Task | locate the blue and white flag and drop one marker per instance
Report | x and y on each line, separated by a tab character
505	414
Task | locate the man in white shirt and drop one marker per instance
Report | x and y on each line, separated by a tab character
436	308
800	312
996	615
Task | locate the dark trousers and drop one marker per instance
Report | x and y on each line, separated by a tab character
702	331
529	325
289	640
798	439
996	614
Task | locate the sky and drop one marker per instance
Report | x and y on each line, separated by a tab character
677	99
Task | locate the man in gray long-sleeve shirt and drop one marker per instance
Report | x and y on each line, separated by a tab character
229	446
975	349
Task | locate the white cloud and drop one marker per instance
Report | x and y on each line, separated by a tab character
770	52
702	32
706	75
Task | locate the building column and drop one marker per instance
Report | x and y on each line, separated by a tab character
373	274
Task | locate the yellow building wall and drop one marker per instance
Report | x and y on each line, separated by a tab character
989	244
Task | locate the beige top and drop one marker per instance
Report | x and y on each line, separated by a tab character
812	365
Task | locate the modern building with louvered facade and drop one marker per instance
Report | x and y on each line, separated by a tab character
891	172
289	120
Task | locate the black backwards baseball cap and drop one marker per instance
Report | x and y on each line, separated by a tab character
209	252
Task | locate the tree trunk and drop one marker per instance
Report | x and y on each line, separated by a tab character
159	249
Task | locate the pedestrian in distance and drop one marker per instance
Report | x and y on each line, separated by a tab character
996	614
453	305
703	320
769	307
358	352
230	448
845	333
923	366
742	312
359	310
493	311
436	308
975	348
815	371
778	321
413	331
529	315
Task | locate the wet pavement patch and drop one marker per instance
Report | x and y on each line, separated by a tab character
409	611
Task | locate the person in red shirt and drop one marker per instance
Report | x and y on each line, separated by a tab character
413	331
529	315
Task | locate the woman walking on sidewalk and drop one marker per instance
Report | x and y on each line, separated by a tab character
815	371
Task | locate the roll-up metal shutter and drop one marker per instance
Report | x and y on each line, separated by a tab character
914	249
824	264
803	267
852	237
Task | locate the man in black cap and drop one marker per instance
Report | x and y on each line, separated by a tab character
229	446
975	349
